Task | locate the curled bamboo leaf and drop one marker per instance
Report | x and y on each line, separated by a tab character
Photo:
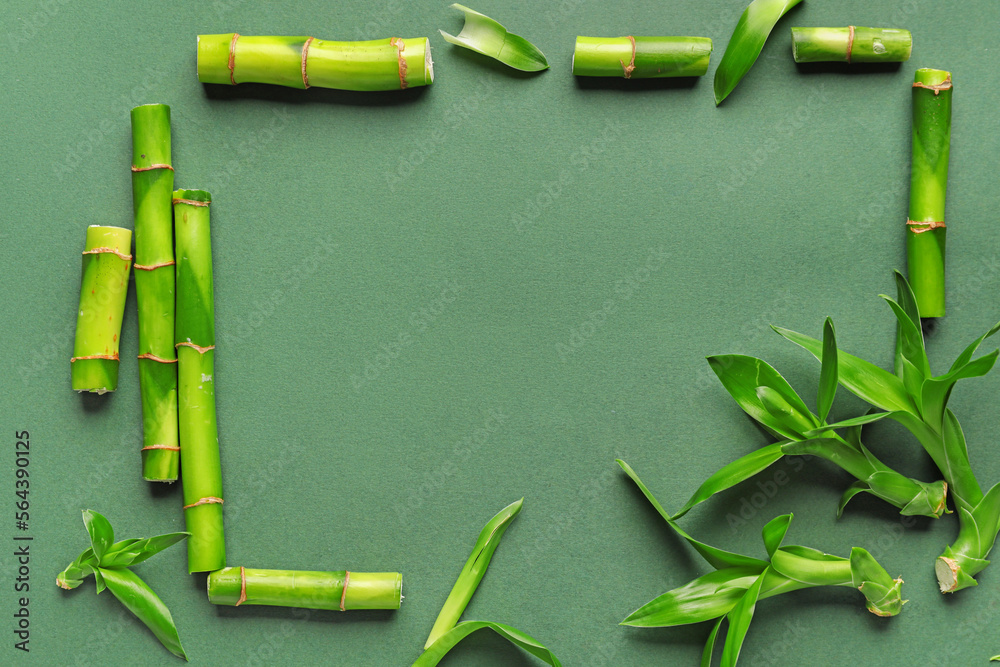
472	573
484	35
102	535
433	654
139	599
746	43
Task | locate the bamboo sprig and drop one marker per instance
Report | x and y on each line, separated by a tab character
304	62
752	30
447	630
484	35
152	189
106	263
641	57
109	561
918	400
853	44
739	582
767	397
341	590
201	470
925	227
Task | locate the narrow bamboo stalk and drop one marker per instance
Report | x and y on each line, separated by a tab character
303	62
106	263
926	233
853	44
641	57
310	590
152	189
201	470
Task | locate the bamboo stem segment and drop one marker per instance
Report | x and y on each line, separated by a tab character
853	44
641	57
201	470
152	189
106	263
926	232
343	590
304	62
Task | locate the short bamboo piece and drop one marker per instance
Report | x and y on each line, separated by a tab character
106	263
343	590
641	57
304	62
853	44
201	471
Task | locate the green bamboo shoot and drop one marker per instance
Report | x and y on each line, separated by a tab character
201	470
925	237
106	263
152	189
341	590
852	44
641	57
304	62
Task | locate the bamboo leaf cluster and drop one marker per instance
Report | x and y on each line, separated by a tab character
109	562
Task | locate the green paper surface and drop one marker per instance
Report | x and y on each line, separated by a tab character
433	301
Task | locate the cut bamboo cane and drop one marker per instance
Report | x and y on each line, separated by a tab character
235	586
304	62
641	57
926	232
152	189
106	263
201	471
853	44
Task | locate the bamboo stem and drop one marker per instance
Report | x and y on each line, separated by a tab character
641	57
926	232
304	62
106	263
853	44
341	590
201	470
152	189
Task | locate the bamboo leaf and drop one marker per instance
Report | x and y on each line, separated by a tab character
739	623
774	532
966	355
935	392
447	641
910	337
906	298
828	372
473	571
748	39
957	470
707	597
706	655
717	558
849	423
139	599
484	35
99	580
131	552
102	535
987	518
866	380
853	490
734	473
742	375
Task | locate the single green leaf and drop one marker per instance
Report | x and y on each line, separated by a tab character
911	338
733	473
987	516
102	535
966	355
866	380
747	41
702	599
139	599
913	380
447	641
484	35
956	469
99	580
473	571
906	298
784	413
739	623
848	423
717	558
742	375
935	392
135	551
828	372
774	532
853	490
836	451
706	654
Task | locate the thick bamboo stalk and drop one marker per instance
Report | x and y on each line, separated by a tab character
341	590
303	62
106	263
853	44
152	189
926	232
641	57
201	470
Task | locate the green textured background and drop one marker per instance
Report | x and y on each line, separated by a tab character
636	225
